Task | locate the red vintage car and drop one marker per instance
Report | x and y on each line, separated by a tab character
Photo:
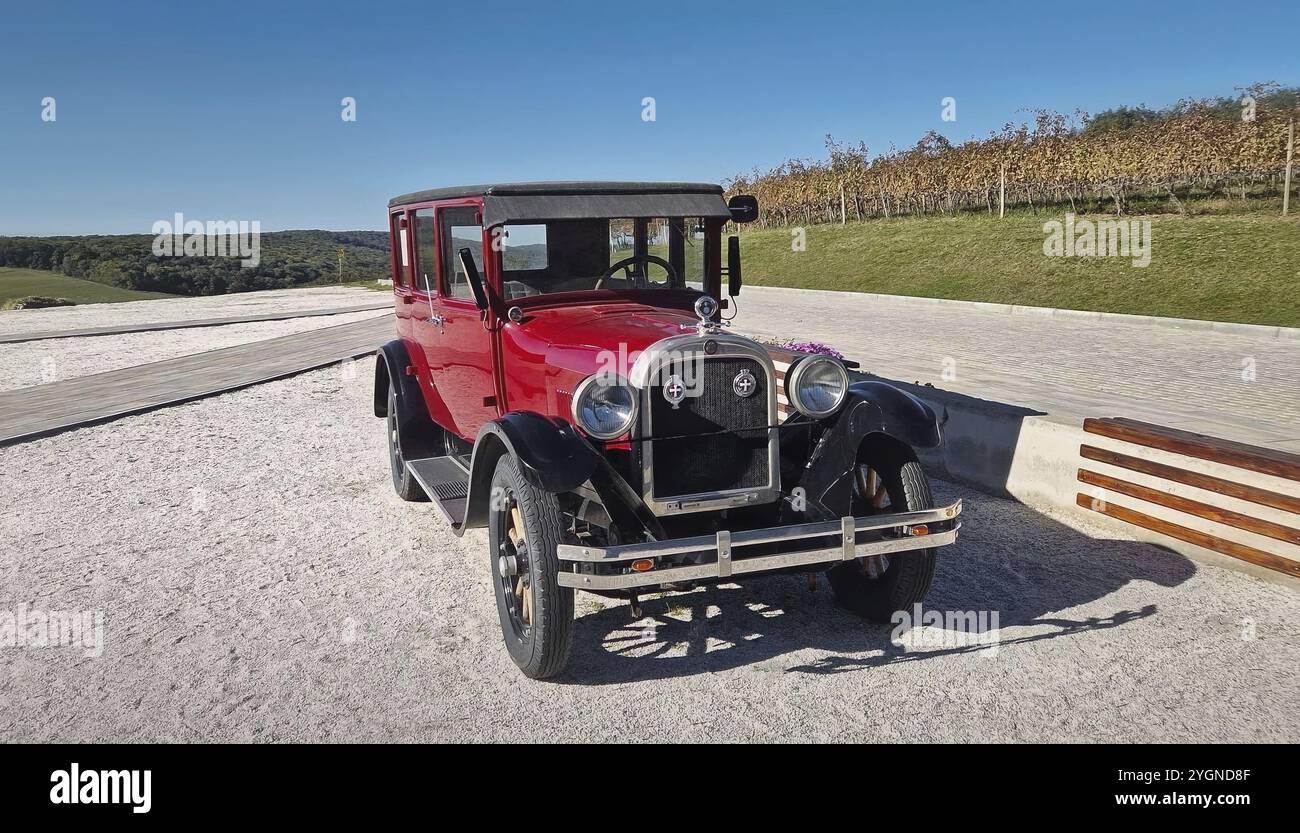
563	376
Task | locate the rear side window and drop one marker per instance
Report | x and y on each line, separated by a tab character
401	259
460	231
426	250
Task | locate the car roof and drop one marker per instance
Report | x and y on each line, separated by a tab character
556	189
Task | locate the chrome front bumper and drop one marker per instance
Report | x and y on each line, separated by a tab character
858	537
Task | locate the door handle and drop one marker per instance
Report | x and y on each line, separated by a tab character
437	320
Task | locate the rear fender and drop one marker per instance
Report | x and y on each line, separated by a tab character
421	437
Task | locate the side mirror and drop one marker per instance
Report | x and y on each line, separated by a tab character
744	208
733	266
470	269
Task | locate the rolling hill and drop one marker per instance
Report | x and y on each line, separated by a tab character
26	283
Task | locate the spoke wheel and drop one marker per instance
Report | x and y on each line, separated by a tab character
871	497
404	483
525	528
887	479
394	446
514	580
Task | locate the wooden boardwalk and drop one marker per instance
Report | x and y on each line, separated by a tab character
28	413
18	338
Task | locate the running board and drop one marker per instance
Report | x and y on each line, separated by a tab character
446	481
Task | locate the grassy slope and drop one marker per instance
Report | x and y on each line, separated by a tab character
21	283
1222	267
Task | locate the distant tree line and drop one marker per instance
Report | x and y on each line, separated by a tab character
288	259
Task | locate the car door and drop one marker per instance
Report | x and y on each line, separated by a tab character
404	293
417	250
459	344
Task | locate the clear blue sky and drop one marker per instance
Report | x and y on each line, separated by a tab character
231	111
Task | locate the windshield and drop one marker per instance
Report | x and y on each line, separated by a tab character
617	254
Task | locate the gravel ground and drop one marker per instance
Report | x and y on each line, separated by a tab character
183	309
259	580
37	362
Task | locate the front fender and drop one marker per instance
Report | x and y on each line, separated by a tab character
551	455
870	408
879	406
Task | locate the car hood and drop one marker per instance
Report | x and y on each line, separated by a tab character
573	337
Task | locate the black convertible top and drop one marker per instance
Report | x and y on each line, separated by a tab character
535	201
557	189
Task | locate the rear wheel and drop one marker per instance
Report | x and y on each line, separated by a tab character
888	480
525	526
404	483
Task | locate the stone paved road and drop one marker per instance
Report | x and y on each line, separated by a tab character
1068	367
191	323
30	412
136	313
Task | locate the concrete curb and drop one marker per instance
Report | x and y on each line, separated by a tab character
1194	324
1033	458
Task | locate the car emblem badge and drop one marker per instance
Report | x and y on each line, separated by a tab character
674	390
744	384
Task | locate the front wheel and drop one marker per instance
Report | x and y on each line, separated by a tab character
525	526
886	481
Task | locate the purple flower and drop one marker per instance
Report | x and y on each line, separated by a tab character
812	347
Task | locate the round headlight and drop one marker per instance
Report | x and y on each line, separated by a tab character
604	406
817	386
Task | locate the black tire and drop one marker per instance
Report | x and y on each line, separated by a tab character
404	483
907	579
539	646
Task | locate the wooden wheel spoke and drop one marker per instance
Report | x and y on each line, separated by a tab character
876	488
516	530
871	488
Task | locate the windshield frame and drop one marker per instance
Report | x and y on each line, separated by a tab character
670	297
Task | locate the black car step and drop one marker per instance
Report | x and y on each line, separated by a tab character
446	482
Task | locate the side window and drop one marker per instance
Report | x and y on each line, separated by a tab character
397	236
460	231
426	250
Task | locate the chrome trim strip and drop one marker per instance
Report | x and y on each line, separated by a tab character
756	564
643	376
770	535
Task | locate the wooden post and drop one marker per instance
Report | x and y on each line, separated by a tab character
842	217
1290	148
1002	193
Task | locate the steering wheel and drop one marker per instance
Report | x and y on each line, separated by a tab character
626	265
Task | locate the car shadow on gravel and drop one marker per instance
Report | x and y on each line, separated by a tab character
1010	559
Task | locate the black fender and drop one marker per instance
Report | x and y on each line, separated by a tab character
552	456
894	412
421	437
870	408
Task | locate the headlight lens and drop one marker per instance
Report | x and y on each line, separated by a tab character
819	385
604	406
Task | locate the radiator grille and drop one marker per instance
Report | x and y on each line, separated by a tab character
714	441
